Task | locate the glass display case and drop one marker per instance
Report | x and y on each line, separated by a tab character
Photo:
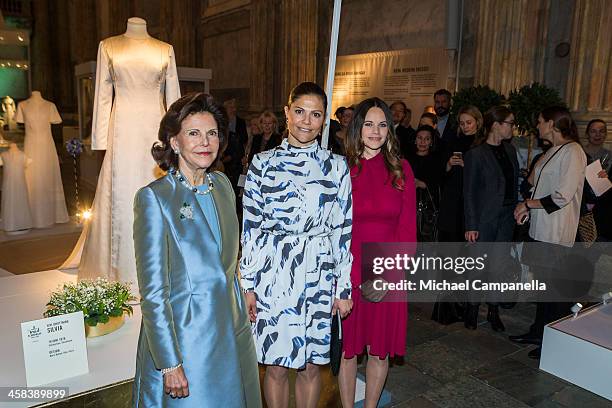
15	80
194	79
14	63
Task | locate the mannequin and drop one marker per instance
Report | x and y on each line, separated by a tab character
16	216
8	108
43	177
137	29
136	80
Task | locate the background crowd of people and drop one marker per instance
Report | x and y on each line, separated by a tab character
467	176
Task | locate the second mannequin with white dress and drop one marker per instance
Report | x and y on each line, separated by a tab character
44	180
15	208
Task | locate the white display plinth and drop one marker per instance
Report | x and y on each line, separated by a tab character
112	358
580	350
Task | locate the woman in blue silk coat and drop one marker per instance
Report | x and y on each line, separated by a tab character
195	347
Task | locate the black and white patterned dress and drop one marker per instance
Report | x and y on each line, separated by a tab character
296	250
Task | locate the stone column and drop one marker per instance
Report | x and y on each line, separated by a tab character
589	86
112	16
177	22
263	47
511	43
298	35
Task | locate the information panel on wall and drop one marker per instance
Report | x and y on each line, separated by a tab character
411	76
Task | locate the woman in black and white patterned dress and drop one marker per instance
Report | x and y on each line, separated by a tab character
296	261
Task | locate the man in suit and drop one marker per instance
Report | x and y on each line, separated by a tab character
447	126
405	135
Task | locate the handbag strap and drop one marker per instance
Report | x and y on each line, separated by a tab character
433	204
542	169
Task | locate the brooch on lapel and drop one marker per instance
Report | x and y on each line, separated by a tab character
186	212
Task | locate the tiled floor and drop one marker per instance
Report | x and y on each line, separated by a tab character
450	366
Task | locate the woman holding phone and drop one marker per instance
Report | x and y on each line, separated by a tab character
451	223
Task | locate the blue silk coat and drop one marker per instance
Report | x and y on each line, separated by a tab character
193	311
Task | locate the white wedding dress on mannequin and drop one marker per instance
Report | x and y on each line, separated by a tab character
15	207
136	80
44	180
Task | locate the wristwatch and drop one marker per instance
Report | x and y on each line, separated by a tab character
526	206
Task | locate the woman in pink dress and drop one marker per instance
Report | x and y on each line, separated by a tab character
384	210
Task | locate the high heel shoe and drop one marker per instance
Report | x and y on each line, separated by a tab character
493	318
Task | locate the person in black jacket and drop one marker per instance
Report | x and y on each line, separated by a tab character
450	222
236	144
490	184
428	169
405	135
447	125
269	138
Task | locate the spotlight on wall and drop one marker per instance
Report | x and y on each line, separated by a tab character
576	309
606	297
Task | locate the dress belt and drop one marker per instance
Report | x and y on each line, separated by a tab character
326	234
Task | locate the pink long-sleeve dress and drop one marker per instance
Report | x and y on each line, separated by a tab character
381	213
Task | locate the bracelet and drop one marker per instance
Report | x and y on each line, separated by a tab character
169	369
526	206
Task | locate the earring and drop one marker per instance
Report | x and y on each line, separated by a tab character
176	150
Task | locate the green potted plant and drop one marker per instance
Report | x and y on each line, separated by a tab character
479	96
528	101
104	304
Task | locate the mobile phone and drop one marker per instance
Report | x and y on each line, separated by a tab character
524	219
458	155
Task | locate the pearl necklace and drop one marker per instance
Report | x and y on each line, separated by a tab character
183	180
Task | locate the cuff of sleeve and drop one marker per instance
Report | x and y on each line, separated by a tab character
548	204
247	284
344	294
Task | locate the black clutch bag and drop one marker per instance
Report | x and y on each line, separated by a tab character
336	343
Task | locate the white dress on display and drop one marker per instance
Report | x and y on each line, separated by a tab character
136	80
16	215
43	177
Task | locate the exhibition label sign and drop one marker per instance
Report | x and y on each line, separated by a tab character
54	348
411	76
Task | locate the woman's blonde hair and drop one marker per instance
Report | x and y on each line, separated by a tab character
268	114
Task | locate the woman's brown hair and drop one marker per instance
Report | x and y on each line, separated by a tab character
390	150
562	122
170	126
